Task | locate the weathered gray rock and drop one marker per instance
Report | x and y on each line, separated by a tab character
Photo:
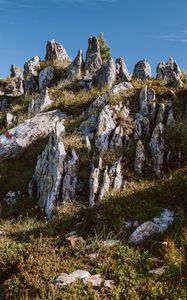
117	138
116	177
11	197
75	69
157	149
93	60
45	77
16	72
139	158
94	182
142	70
106	125
141	127
170	114
160	113
14	88
122	73
93	280
170	72
106	75
55	174
105	185
65	279
17	139
158	225
10	119
147	96
56	52
31	69
40	102
111	243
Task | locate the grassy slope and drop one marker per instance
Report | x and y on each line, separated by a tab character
33	251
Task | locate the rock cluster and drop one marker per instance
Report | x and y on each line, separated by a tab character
56	52
40	102
170	72
142	70
55	176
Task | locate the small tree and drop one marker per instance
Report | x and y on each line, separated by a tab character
104	48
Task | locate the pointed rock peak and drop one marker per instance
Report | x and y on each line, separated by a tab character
15	71
93	57
74	70
142	70
56	52
121	70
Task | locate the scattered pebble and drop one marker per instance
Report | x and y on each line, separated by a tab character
94	280
158	271
75	240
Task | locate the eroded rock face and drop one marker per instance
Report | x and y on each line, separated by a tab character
30	74
56	52
75	69
15	87
122	73
40	102
10	119
55	174
106	75
17	139
93	60
142	70
147	96
45	77
170	72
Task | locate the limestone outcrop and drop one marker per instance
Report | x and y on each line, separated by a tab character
93	60
142	70
122	73
30	74
75	69
106	75
45	77
40	102
170	72
16	140
56	52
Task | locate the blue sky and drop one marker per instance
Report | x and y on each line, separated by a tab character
135	29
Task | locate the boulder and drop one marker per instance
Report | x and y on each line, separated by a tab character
30	74
122	73
106	75
157	225
45	77
93	60
16	140
40	102
56	52
10	119
142	70
75	69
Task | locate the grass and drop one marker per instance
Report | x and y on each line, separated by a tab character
34	251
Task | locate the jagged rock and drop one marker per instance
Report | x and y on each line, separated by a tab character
101	101
45	77
89	126
94	182
17	139
16	72
74	70
146	97
106	184
75	240
4	105
10	119
139	158
93	60
40	102
117	138
122	72
106	75
69	182
106	125
157	149
158	225
55	174
15	87
170	72
142	70
30	74
56	52
116	177
141	127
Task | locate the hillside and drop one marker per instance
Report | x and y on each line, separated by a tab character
93	178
